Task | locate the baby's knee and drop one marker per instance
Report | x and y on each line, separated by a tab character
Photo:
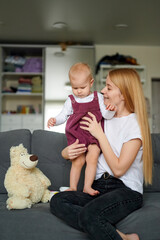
92	155
94	149
79	162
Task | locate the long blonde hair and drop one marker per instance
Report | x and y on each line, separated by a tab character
128	81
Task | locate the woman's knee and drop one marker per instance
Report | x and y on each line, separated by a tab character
87	218
58	202
54	203
62	202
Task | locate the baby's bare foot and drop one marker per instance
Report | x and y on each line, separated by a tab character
91	191
70	189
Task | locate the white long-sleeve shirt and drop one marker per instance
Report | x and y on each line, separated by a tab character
67	109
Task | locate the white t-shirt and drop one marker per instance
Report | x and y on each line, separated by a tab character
67	109
119	131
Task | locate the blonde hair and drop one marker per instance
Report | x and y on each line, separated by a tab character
128	81
81	67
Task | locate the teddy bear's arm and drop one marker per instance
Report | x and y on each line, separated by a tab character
12	185
45	181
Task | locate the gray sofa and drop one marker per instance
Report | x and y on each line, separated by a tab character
37	223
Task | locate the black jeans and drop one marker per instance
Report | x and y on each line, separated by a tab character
97	215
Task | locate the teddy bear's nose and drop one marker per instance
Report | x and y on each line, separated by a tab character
33	158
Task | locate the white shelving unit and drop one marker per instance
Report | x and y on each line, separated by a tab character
104	70
30	103
21	121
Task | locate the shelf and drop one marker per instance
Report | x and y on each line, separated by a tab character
22	94
22	114
103	80
108	66
21	73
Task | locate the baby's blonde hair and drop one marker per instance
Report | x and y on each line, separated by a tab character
128	81
81	67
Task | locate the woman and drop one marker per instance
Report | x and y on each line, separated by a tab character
119	177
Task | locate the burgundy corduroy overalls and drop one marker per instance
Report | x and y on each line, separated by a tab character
73	130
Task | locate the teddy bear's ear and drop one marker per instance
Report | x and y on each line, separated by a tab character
12	153
12	149
22	148
21	145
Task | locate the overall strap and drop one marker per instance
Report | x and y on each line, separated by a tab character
73	101
95	95
72	98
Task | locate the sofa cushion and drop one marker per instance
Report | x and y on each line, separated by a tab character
36	223
7	140
155	187
41	224
48	146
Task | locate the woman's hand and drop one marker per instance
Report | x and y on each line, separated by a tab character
74	150
92	125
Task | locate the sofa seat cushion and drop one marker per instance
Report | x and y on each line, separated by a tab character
7	140
38	222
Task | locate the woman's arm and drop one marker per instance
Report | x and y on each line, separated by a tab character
74	150
128	152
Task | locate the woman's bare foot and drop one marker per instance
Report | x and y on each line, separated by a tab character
91	191
132	236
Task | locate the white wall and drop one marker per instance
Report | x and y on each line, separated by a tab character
145	55
52	109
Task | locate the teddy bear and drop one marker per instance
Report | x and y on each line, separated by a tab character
25	184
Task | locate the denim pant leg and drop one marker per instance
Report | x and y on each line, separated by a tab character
67	206
99	217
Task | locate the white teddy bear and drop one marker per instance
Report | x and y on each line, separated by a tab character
25	184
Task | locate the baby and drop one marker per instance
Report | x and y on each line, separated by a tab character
75	108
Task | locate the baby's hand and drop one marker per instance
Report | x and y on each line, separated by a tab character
51	122
111	107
